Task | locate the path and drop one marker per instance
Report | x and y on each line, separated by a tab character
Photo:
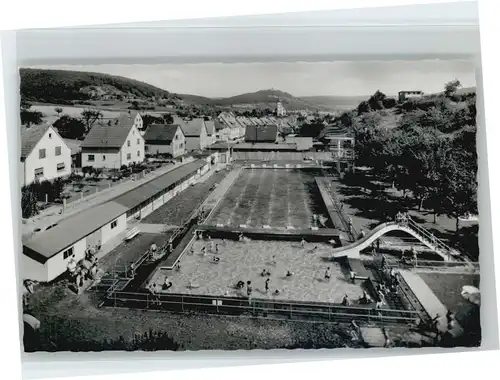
429	301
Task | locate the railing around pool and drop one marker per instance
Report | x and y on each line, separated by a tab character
259	308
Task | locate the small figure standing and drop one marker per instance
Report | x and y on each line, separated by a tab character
215	259
266	285
303	242
352	276
346	301
289	274
273	259
327	274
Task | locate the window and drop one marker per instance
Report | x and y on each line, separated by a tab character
129	156
146	148
91	157
114	223
60	166
41	153
50	135
68	253
181	145
58	150
128	142
104	157
177	137
39	172
138	141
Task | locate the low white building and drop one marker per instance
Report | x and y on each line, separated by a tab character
47	253
44	155
112	146
165	139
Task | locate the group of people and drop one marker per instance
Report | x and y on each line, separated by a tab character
402	218
85	269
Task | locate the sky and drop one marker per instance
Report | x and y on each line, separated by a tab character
338	78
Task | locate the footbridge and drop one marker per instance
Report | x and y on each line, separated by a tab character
410	227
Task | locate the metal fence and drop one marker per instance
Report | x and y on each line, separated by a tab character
437	266
258	307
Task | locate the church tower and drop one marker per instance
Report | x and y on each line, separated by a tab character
280	110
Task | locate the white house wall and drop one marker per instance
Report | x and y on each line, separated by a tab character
102	160
49	141
57	265
33	270
159	149
136	145
108	233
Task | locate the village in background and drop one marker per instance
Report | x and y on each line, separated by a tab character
126	188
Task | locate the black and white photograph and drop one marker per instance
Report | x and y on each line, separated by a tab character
257	205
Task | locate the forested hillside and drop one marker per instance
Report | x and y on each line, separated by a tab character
426	147
63	87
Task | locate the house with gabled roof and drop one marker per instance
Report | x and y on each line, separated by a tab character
112	146
44	155
210	125
261	133
195	133
165	139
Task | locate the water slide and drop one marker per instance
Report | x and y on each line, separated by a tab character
353	250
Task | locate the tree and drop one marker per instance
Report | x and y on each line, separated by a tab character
69	127
135	105
29	206
167	118
58	110
89	117
376	101
30	118
147	120
450	88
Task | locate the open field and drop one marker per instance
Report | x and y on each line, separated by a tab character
448	286
274	197
130	251
49	111
245	261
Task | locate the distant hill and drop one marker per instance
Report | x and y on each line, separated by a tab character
63	86
268	99
335	102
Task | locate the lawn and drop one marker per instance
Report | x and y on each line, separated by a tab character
274	197
447	287
370	202
177	210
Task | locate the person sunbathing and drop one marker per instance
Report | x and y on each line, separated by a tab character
215	259
240	284
289	274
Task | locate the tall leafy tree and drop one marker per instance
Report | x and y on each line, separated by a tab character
89	117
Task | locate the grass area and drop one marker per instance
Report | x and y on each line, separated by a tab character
448	286
177	210
129	251
81	323
370	202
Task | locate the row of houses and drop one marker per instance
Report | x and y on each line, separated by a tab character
46	254
45	155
